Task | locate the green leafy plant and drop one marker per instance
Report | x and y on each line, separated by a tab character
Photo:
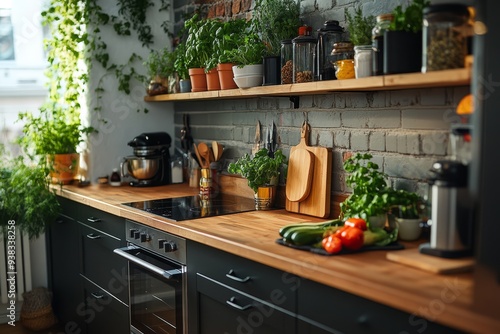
260	170
26	201
228	37
55	130
249	52
409	19
371	194
180	62
160	63
274	21
360	27
199	43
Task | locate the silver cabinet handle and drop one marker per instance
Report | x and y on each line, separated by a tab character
231	275
96	296
232	302
93	219
93	236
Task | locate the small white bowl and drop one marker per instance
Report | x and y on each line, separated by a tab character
247	70
249	81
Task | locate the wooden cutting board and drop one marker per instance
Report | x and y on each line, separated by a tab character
300	170
317	203
438	265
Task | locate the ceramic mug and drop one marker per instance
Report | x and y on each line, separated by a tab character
408	229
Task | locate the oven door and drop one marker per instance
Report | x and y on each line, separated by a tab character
157	293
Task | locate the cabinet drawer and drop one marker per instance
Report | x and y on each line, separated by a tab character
101	265
93	217
245	275
335	311
103	313
226	310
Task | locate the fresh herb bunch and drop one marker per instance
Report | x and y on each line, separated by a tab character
180	63
199	43
274	21
228	37
261	170
360	28
409	19
160	63
249	52
371	194
25	197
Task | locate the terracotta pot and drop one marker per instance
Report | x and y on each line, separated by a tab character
198	79
226	76
63	167
213	82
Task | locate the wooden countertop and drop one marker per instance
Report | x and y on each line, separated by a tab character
445	299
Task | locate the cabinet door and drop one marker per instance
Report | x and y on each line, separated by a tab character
103	313
101	265
64	270
225	310
322	309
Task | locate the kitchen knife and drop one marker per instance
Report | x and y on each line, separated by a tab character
257	140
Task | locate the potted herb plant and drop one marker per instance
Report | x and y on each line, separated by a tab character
360	33
248	60
372	198
403	39
26	201
274	21
261	172
55	134
181	68
160	69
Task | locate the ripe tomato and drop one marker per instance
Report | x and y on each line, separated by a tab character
356	222
352	238
332	244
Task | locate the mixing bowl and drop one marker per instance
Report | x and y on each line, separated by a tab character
141	168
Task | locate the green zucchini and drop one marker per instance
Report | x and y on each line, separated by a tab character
310	236
326	224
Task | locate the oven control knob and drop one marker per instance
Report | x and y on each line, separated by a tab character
170	246
161	243
136	234
132	232
145	237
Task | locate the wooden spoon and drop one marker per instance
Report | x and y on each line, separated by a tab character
198	156
218	149
205	154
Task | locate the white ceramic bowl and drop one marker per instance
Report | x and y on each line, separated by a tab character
248	70
248	81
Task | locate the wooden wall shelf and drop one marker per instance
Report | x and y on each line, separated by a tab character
446	78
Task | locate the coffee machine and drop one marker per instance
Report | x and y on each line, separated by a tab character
452	228
150	164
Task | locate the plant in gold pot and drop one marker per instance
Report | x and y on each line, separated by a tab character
55	134
262	173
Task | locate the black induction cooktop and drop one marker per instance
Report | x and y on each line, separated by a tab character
192	207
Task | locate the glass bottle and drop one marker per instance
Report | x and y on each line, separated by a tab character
328	35
363	61
445	29
286	61
383	23
304	52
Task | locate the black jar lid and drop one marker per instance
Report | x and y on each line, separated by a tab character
286	41
453	8
331	26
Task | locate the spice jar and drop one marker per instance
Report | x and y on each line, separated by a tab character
286	61
328	35
383	23
344	63
304	50
363	61
444	37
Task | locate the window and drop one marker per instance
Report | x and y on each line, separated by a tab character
6	31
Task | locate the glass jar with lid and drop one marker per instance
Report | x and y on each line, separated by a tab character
343	53
286	61
445	29
383	23
304	52
328	35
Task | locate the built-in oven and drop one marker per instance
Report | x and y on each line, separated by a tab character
157	280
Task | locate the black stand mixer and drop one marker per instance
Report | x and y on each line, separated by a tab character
150	166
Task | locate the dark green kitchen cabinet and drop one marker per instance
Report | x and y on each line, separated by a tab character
230	294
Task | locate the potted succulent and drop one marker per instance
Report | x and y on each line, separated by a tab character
274	21
55	134
372	198
26	201
403	39
360	33
262	173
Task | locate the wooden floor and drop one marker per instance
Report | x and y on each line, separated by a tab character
19	329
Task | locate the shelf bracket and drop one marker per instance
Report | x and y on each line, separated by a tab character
295	100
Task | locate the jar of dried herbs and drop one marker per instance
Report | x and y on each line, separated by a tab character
444	37
304	51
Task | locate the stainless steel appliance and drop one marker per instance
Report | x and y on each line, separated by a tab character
191	207
157	280
451	217
150	164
